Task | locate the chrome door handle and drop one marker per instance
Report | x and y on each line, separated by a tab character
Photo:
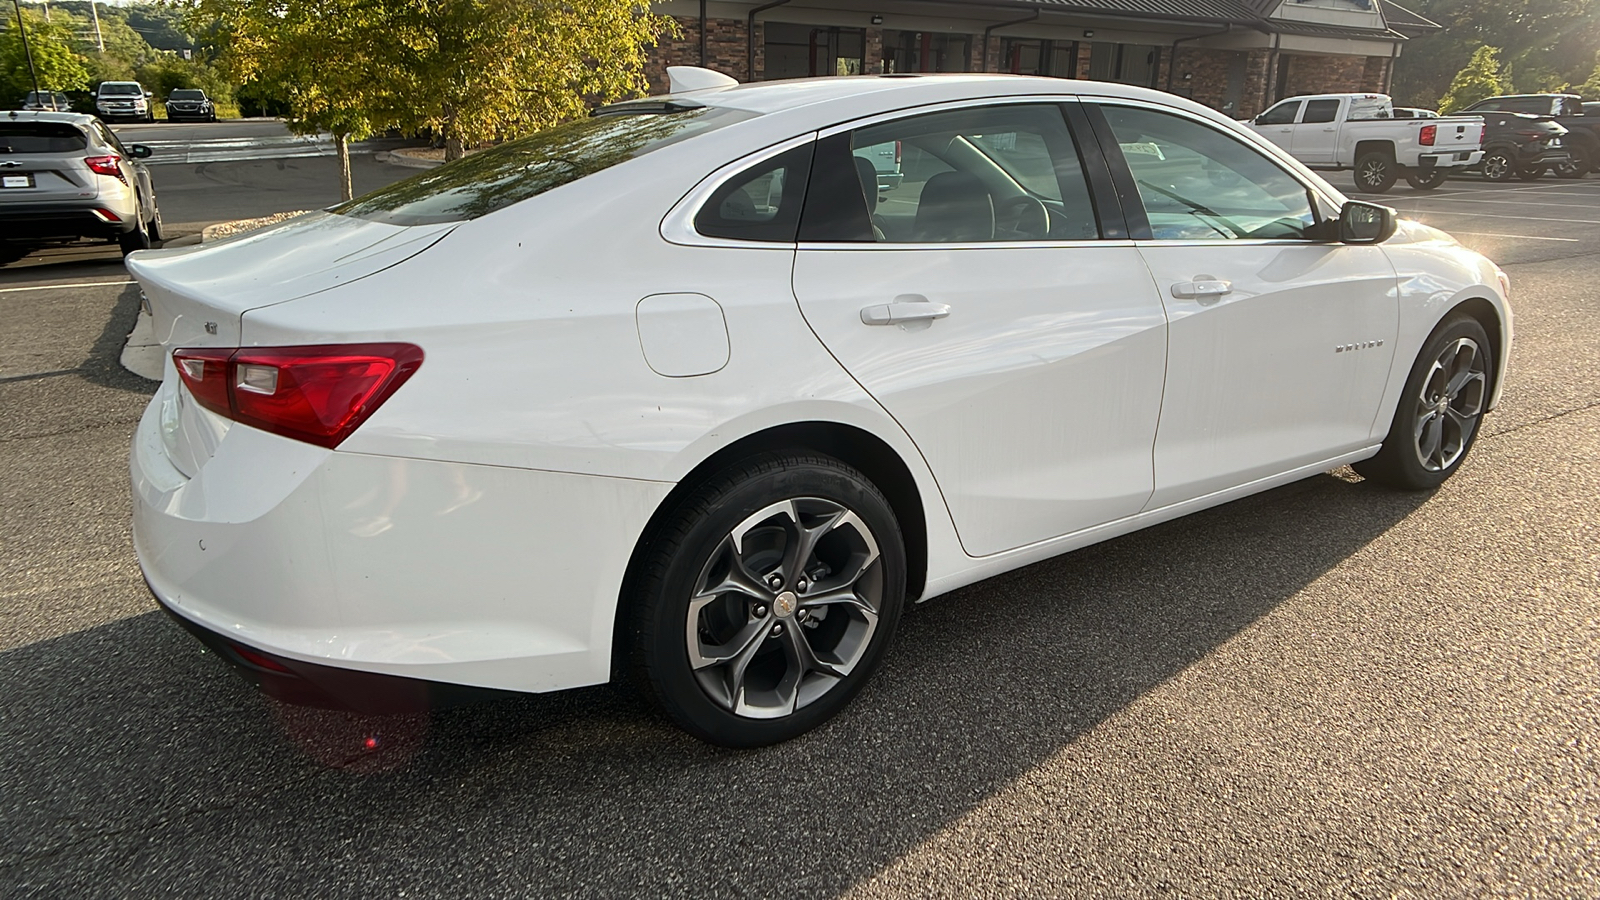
901	311
1204	288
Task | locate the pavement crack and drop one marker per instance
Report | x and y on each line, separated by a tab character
35	376
120	423
1543	420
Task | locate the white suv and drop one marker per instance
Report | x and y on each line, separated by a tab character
123	100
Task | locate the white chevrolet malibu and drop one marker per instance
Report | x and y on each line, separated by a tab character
703	390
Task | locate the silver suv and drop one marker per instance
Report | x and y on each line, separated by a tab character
65	176
123	100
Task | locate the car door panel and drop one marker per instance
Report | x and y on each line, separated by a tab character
1027	369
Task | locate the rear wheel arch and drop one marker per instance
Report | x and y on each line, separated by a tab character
855	447
1384	147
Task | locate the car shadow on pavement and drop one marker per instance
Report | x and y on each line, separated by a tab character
131	758
104	366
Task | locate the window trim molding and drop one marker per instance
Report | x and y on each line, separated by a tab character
677	226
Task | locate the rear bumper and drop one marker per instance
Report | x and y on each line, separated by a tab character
36	222
327	687
1452	160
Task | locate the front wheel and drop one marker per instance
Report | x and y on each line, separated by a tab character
1439	411
1376	172
766	599
1426	180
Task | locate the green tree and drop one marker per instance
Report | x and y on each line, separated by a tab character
316	54
1591	89
58	66
1482	77
473	71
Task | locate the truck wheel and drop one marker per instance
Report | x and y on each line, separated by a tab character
1498	166
1376	172
1533	174
1426	181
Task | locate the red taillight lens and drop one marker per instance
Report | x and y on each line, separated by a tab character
1429	134
106	165
318	394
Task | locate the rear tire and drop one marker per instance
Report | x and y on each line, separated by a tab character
738	639
1376	172
137	239
1440	408
1533	174
1426	181
1499	166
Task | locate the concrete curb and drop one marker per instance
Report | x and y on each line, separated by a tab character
142	354
409	162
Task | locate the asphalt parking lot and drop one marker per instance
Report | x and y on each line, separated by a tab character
1326	690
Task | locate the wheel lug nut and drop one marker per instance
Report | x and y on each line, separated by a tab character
801	614
760	610
800	585
777	630
775	581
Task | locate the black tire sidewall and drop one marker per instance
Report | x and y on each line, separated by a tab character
1390	173
683	548
1433	179
1397	464
1509	170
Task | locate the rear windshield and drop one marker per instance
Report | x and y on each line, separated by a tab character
516	170
40	137
119	89
188	95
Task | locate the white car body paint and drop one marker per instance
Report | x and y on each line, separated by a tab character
477	528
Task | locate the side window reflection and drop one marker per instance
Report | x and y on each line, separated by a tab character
1198	183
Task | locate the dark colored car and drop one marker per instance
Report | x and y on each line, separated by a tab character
190	103
1569	110
1516	145
54	101
65	176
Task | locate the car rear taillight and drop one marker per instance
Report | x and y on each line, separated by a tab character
1429	134
106	165
319	394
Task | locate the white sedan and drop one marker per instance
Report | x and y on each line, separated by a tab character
685	393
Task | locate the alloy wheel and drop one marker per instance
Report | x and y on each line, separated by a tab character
785	608
1448	407
1374	173
1497	167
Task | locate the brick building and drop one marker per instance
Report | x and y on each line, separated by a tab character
1238	56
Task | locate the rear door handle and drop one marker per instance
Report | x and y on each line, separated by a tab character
904	309
1205	288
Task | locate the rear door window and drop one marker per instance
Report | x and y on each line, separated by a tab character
40	137
1321	111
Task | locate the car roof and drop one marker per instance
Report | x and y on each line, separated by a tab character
844	96
45	115
1526	97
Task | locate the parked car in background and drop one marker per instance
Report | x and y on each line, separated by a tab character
66	176
1517	145
54	101
724	461
1582	144
125	100
1412	112
1591	108
1359	131
190	103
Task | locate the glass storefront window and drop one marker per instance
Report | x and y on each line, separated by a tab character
1125	63
923	51
801	51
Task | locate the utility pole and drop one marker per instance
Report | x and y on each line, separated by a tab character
99	42
26	48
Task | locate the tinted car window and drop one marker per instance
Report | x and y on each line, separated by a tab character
1000	173
188	95
1198	183
40	137
1321	111
516	170
119	90
1282	114
761	203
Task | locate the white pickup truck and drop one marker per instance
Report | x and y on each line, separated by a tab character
1360	132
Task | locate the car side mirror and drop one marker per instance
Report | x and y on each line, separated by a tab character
148	94
1366	223
140	151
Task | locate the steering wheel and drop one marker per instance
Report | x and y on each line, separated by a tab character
1024	216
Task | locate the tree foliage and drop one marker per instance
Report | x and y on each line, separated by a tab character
58	66
1481	78
1544	44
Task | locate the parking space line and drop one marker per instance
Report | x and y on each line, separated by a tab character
52	287
1522	202
1479	215
1520	237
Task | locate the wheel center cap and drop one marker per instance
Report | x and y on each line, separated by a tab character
785	604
